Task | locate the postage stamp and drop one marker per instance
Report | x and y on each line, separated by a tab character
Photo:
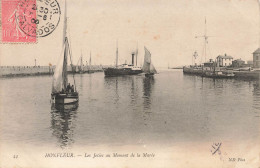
26	20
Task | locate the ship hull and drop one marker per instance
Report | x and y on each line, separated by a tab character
121	71
207	73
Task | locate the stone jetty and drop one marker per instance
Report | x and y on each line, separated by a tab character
13	71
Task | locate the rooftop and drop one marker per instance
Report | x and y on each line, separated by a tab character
239	60
257	51
225	56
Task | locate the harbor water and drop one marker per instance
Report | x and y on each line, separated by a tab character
169	109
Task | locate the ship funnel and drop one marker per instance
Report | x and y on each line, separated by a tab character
133	58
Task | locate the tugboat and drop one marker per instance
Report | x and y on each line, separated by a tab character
62	92
148	67
123	69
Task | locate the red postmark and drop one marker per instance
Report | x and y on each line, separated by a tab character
11	12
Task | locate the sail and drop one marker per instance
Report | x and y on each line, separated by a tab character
57	81
147	61
60	78
152	69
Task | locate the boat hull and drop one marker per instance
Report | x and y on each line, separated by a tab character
207	73
149	74
69	98
121	71
218	76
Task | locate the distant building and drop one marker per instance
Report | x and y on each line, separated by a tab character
224	61
209	65
250	64
256	58
238	63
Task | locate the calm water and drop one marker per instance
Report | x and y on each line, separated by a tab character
134	110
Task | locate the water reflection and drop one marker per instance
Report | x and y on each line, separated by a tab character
63	123
135	92
81	83
111	83
148	83
256	96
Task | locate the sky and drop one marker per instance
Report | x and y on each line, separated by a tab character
166	27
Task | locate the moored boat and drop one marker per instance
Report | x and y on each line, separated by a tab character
218	74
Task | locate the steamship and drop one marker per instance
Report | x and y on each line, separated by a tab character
124	69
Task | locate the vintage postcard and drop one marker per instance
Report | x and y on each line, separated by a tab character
129	83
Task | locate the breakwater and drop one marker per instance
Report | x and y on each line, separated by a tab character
13	71
10	71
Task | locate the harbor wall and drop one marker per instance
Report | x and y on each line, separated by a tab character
11	71
247	74
6	71
244	74
94	68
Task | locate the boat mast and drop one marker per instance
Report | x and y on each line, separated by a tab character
206	39
192	59
90	58
194	56
259	24
81	62
136	54
205	36
117	53
65	43
67	49
150	64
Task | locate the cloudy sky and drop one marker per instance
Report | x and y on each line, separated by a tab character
166	27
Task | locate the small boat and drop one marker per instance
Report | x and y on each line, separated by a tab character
218	74
81	68
62	92
148	67
90	69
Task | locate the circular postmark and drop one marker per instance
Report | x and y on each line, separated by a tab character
37	18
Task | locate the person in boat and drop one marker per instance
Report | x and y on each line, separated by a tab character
68	88
62	91
72	88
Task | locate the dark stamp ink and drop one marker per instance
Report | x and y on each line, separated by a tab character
216	148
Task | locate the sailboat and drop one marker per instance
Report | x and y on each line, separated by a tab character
148	67
62	92
90	70
81	65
